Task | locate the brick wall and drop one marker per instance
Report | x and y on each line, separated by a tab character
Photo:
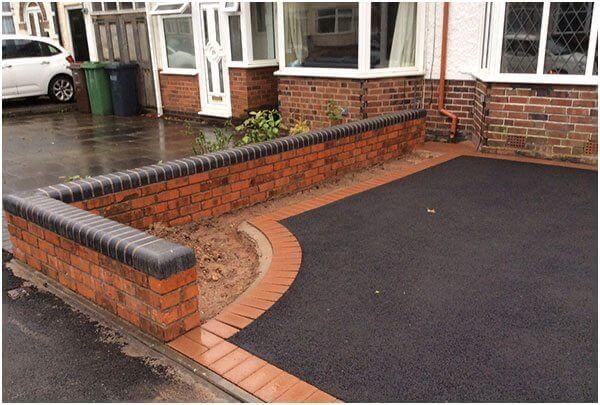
547	121
85	233
163	308
180	93
459	99
306	98
252	89
388	95
215	192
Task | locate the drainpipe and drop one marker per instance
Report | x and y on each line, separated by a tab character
441	91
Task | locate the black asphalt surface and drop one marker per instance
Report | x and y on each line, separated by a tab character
51	353
491	298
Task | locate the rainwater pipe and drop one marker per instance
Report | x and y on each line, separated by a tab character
441	91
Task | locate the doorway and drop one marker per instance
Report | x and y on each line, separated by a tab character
35	26
78	35
214	72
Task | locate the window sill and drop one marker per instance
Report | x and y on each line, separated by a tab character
181	72
348	73
537	79
259	64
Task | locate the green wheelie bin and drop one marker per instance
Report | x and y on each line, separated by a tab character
98	87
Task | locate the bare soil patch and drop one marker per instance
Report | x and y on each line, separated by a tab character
227	260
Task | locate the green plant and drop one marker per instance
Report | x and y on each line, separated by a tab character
300	126
261	126
223	140
75	177
333	111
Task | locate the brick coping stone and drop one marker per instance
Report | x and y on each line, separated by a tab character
49	206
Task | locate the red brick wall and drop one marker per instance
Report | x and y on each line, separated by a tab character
180	93
548	121
252	89
163	308
306	98
215	192
388	95
459	99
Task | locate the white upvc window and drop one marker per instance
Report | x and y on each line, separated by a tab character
252	33
351	39
540	42
176	37
113	7
8	21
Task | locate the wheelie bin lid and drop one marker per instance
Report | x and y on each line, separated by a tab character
94	65
120	66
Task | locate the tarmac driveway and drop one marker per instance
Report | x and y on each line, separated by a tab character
474	280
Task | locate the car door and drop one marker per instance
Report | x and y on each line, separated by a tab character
31	68
9	83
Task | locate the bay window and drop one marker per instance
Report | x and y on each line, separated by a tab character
350	39
321	35
550	42
252	34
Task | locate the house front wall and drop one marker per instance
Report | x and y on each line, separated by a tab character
471	90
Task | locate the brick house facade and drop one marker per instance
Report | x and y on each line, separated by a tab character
536	113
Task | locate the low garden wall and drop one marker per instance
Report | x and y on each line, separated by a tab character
87	234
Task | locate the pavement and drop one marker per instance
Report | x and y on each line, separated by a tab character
474	280
33	106
41	150
55	353
51	351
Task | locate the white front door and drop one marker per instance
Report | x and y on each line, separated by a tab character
214	74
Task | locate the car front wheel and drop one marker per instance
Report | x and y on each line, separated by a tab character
61	89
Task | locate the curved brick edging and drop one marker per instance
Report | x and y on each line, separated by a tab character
208	345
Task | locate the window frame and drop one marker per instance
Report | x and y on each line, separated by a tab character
248	60
364	70
118	10
163	45
10	14
496	35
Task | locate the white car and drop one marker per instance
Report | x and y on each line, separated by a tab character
35	66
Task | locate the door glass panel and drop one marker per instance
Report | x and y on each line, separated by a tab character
205	27
217	33
221	76
209	75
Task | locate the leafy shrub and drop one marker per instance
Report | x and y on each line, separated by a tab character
300	126
334	112
261	126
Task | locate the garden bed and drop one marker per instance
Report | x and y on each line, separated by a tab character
227	260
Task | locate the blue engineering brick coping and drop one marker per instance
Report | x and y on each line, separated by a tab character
48	206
